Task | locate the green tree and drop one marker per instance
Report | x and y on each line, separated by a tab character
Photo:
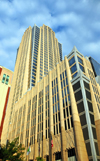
39	159
13	151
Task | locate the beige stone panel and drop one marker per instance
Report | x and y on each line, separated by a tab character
3	93
73	102
80	144
36	144
26	75
44	139
63	135
50	104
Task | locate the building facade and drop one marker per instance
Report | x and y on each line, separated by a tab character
62	106
5	84
95	66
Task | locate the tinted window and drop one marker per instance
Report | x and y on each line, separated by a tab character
76	86
71	61
78	95
80	60
85	133
88	149
88	94
92	119
86	85
94	133
96	147
73	68
83	120
80	107
82	68
90	106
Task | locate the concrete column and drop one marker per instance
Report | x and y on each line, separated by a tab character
66	154
53	157
63	139
51	151
44	139
36	144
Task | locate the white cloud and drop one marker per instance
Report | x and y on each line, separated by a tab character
75	23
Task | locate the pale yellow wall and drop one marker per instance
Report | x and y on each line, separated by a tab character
3	93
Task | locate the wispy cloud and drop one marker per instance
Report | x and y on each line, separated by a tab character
74	22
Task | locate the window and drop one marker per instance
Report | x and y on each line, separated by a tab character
82	68
73	68
87	85
80	60
74	75
71	61
78	95
80	107
76	86
83	120
3	79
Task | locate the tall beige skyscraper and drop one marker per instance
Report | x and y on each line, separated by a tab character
39	52
53	102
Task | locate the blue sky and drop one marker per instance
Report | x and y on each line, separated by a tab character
75	22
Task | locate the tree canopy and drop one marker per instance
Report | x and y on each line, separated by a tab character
39	159
13	151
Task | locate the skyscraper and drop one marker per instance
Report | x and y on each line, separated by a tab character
39	52
95	66
61	105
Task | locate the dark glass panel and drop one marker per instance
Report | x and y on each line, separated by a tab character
78	95
82	68
59	128
65	125
85	133
94	133
64	113
80	107
74	75
73	68
65	73
96	147
58	156
83	120
60	77
88	149
71	61
59	116
66	101
80	60
71	122
92	119
71	152
76	86
68	124
86	85
70	110
67	111
54	130
90	106
66	81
